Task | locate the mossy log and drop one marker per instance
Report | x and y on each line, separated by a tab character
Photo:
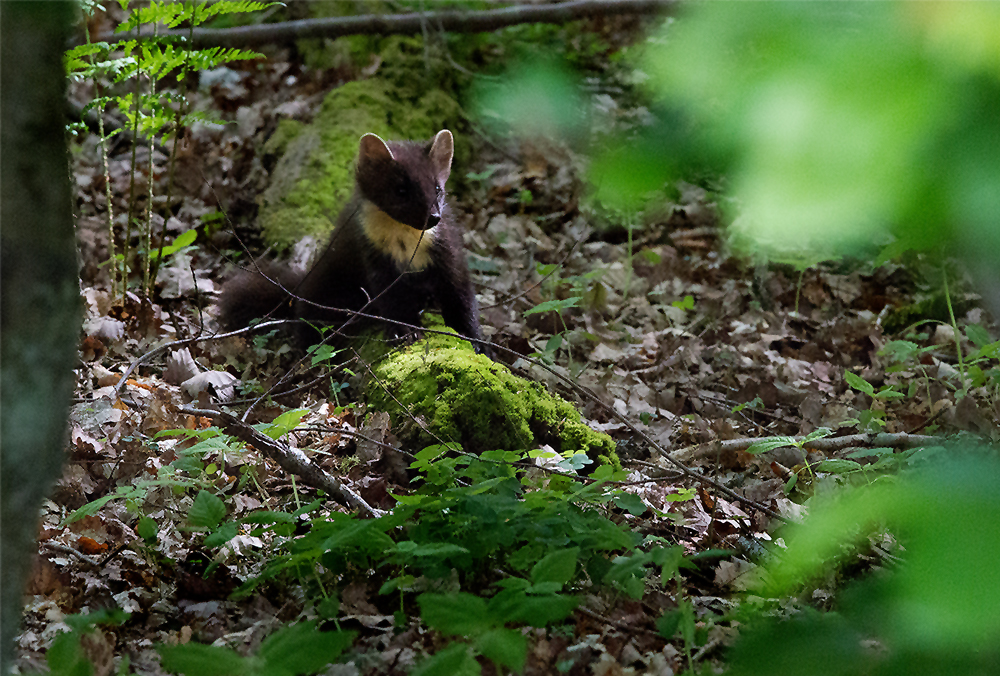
460	396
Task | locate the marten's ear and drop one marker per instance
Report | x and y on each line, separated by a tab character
441	152
373	149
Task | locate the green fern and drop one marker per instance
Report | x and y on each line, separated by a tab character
151	112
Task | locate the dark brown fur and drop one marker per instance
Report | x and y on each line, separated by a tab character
369	263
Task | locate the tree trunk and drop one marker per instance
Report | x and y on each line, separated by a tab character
39	294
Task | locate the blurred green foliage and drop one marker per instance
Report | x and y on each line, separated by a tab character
839	125
842	128
937	610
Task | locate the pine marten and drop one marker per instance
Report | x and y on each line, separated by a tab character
394	251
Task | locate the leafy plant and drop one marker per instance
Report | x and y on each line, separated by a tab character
152	111
296	649
66	656
469	517
934	614
873	419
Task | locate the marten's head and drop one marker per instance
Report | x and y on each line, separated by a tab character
406	179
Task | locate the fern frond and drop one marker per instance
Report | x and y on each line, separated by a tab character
162	12
203	59
73	59
204	12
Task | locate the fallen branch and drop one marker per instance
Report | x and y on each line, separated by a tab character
289	459
827	445
456	21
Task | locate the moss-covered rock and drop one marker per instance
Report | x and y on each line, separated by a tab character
462	396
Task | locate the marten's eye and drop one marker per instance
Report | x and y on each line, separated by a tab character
401	190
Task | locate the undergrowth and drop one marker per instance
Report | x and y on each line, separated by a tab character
481	548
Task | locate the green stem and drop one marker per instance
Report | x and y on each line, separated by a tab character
798	288
127	234
185	73
148	227
954	326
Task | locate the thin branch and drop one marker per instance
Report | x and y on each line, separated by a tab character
628	628
827	445
456	21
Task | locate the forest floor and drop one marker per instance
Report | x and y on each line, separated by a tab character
673	333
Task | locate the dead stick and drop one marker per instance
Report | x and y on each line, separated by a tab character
289	459
456	21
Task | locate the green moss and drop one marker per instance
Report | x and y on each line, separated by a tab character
287	131
314	176
465	397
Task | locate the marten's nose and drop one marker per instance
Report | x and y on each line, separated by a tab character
432	220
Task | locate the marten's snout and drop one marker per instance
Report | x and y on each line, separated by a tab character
432	220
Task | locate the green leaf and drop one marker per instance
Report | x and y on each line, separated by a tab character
208	511
630	502
322	353
504	646
536	611
301	649
838	466
110	616
195	659
455	660
224	534
818	433
687	303
628	573
90	508
771	444
284	423
557	305
263	517
681	495
559	566
668	623
459	614
147	528
66	658
650	256
979	336
858	383
670	560
184	239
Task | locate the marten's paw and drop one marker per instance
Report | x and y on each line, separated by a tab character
399	336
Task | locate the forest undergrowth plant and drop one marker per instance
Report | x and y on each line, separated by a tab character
586	291
930	609
145	79
67	655
479	548
874	418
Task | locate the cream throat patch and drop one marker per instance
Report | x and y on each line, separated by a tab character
397	239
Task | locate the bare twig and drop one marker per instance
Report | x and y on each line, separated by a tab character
631	629
65	549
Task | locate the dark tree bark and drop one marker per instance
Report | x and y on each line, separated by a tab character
458	21
39	294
